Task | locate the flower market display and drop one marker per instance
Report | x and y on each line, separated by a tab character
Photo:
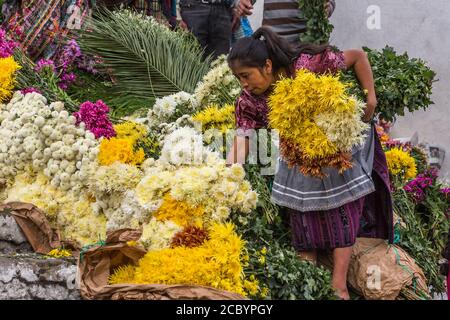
327	121
115	132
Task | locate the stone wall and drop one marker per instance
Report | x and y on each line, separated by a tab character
26	275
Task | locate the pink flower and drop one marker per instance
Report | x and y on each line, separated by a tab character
6	46
29	90
95	117
44	63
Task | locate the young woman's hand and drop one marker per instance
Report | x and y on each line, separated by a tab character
371	104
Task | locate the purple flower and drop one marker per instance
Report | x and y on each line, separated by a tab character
95	117
43	64
70	53
66	80
6	46
29	90
445	192
417	187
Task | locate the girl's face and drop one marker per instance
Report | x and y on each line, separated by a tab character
254	80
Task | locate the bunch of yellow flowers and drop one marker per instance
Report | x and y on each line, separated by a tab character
216	263
8	67
316	118
401	164
123	147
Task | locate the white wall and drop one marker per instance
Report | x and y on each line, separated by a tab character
420	27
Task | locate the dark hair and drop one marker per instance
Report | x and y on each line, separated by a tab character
265	44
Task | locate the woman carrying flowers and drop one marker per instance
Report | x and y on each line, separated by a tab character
327	213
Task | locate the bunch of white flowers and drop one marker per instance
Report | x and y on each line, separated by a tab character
218	86
112	187
211	185
157	235
169	108
184	146
45	137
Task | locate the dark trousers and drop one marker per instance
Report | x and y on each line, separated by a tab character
210	23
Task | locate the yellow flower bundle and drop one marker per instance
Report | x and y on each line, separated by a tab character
8	67
216	263
122	150
314	114
216	117
401	164
179	212
123	147
130	130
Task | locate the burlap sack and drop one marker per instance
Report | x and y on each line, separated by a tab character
379	271
36	228
96	264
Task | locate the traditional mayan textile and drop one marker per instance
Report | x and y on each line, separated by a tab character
41	27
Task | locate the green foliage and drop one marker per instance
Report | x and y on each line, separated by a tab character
318	27
424	232
147	60
44	81
400	83
272	260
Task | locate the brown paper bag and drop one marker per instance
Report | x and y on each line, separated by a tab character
96	264
36	228
379	271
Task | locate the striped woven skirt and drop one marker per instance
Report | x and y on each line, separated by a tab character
370	216
335	228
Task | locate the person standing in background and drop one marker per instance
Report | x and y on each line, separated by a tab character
212	23
282	16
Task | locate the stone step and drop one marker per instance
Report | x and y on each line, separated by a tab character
35	277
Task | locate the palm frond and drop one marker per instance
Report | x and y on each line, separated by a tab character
147	59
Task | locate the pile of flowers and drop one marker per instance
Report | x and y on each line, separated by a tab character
69	211
191	192
45	138
328	123
216	262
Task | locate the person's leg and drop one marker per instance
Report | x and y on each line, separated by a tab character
196	16
341	257
220	30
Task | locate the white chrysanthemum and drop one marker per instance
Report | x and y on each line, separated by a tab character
219	85
157	235
45	137
117	177
167	107
344	129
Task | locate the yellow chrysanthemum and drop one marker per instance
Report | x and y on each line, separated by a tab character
216	117
119	149
296	103
401	164
179	212
8	67
123	274
216	264
130	130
